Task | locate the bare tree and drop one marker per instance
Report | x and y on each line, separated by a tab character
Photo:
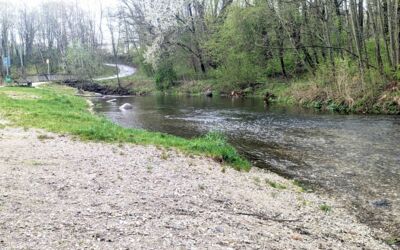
114	27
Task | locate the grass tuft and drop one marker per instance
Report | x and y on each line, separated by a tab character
325	207
393	241
275	184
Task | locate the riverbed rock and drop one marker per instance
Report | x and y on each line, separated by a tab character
209	93
126	106
112	100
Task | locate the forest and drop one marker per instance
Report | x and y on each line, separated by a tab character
342	55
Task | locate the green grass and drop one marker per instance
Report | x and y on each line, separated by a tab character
325	208
393	241
304	188
56	109
275	184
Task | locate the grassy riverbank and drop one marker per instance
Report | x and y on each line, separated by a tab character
56	109
346	94
383	99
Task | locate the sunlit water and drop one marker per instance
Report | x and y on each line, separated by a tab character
354	157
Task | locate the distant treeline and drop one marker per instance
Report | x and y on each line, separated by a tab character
69	38
349	49
248	40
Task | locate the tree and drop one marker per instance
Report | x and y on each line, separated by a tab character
114	26
81	62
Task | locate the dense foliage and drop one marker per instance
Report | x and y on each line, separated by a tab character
347	51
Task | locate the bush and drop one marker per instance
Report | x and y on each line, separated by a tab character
233	48
165	76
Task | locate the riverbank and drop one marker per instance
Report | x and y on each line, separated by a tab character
306	93
57	109
59	192
345	95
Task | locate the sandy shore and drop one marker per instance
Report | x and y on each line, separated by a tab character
60	193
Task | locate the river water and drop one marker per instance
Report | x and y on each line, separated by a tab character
356	158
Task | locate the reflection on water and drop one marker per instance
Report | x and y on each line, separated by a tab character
355	157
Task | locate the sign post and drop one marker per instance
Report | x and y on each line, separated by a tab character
48	66
7	63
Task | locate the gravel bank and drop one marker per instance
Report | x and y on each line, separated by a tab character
61	193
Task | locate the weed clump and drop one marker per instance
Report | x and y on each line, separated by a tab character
325	208
275	184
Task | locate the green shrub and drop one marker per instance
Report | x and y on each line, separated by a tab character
165	76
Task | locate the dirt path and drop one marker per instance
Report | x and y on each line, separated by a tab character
124	71
60	193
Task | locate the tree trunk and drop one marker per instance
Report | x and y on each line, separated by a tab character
356	34
376	32
389	15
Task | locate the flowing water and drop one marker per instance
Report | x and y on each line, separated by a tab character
356	158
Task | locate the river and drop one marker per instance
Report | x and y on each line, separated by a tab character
355	158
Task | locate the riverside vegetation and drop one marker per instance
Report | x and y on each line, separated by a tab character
338	55
56	109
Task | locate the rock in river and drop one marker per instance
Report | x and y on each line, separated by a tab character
126	106
209	93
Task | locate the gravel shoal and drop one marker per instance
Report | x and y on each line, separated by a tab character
57	192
